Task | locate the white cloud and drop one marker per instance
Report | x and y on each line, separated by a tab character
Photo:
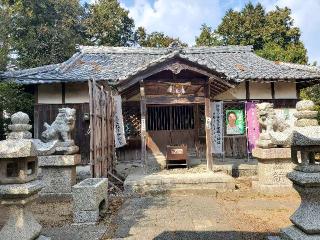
183	18
177	18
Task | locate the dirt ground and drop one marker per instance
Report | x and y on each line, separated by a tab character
241	214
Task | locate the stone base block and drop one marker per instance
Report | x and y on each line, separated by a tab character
58	180
59	160
272	189
90	198
91	217
294	233
20	225
273	166
19	193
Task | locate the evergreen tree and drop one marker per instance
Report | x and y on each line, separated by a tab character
155	39
107	23
43	31
272	34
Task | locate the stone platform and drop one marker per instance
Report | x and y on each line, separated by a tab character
163	182
273	166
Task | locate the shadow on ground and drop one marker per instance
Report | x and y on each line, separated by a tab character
212	235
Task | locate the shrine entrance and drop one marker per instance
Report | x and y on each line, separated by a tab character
174	98
171	125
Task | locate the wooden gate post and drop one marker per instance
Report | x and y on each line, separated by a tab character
207	106
143	108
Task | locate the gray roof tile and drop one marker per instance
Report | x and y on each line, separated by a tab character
236	63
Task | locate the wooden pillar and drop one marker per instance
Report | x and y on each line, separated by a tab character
207	107
143	109
247	90
272	90
196	128
63	93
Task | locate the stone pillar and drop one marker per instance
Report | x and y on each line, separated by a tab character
59	175
306	218
305	176
273	166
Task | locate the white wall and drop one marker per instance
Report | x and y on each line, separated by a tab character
50	93
260	90
285	90
74	93
77	93
239	92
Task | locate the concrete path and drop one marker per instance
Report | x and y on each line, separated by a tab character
194	217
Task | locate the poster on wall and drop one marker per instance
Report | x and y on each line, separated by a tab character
253	125
217	127
235	124
119	134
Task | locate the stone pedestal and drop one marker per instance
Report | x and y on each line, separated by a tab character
306	219
21	223
273	166
90	197
59	174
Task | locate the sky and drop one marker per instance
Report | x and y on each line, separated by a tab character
183	18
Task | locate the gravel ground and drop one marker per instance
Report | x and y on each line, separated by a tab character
241	214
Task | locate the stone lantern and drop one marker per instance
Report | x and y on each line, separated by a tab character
18	184
305	138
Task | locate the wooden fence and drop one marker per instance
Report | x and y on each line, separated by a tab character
102	148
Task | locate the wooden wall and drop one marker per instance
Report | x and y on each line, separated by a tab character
48	112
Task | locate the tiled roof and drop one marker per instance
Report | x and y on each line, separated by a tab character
236	63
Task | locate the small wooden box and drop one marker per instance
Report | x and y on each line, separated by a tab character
178	155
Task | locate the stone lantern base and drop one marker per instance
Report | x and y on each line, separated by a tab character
273	166
306	217
21	223
59	175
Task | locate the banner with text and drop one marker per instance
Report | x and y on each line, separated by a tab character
119	134
253	125
217	127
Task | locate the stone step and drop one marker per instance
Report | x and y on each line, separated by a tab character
174	183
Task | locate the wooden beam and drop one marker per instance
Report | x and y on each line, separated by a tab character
63	93
272	90
173	100
143	109
208	119
247	90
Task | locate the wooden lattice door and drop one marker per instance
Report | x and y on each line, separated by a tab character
101	130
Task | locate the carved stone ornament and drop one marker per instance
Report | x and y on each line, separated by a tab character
60	130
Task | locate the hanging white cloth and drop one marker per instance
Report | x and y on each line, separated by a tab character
217	127
119	134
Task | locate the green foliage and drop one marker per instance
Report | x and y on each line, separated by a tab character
312	93
4	39
155	39
109	24
208	37
43	31
271	34
13	98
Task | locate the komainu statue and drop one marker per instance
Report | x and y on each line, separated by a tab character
62	126
60	130
274	131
